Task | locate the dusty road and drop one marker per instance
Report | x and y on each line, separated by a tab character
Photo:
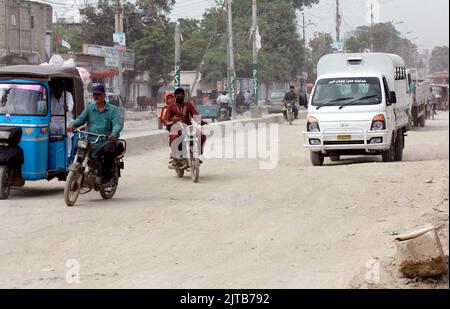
291	227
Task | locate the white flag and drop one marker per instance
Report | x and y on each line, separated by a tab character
65	44
258	40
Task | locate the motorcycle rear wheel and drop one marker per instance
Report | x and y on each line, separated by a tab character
108	193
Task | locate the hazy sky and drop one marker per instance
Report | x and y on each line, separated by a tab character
427	20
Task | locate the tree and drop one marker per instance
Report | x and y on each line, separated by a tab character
70	33
281	56
98	23
321	45
386	39
439	59
155	50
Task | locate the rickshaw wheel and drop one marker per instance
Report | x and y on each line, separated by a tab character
72	188
5	184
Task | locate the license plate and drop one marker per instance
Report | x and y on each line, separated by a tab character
344	138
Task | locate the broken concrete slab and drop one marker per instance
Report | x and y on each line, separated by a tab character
420	254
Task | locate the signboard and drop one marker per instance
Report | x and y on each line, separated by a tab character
112	56
255	83
119	40
338	47
177	81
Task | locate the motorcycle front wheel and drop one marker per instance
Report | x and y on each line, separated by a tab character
72	189
195	170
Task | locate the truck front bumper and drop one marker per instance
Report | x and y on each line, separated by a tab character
336	140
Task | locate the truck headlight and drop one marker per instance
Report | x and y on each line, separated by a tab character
379	123
313	124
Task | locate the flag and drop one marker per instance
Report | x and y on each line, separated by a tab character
258	38
62	42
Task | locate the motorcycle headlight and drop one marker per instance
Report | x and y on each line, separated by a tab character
82	144
313	124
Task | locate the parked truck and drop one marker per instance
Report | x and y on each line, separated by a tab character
359	106
419	92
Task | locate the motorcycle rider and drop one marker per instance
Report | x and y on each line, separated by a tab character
176	113
102	118
224	99
291	96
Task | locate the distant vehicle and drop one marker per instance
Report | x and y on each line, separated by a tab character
359	106
275	101
419	92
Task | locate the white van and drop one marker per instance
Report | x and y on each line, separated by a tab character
359	106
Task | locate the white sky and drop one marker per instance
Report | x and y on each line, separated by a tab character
427	20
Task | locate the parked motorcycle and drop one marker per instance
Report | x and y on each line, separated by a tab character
86	173
191	150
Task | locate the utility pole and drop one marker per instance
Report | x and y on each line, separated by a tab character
119	29
255	53
371	27
338	21
177	82
304	39
232	80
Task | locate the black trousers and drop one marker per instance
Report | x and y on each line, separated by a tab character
295	110
108	152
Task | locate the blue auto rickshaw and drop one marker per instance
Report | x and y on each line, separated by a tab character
29	150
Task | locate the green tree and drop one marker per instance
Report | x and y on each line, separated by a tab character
321	45
281	56
70	33
155	50
439	59
386	39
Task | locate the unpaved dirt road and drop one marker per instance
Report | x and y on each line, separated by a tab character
291	227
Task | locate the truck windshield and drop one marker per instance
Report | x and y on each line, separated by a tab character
347	91
23	100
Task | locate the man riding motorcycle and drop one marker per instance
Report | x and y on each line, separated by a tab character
102	118
224	100
291	96
178	114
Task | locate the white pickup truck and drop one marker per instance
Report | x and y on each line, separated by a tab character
419	92
359	106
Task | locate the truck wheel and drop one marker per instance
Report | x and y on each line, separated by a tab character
422	121
5	183
399	146
389	155
317	158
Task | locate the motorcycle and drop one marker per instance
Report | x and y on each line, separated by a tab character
86	173
224	114
242	109
289	108
189	161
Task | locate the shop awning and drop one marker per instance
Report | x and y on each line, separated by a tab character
104	74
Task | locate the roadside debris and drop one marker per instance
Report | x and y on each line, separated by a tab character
420	254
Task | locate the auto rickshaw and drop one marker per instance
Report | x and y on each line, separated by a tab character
29	150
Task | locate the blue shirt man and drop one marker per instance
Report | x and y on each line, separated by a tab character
102	118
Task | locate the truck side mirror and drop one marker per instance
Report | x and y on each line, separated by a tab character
392	97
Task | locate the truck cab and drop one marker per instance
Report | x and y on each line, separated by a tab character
359	106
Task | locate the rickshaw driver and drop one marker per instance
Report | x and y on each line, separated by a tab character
102	118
